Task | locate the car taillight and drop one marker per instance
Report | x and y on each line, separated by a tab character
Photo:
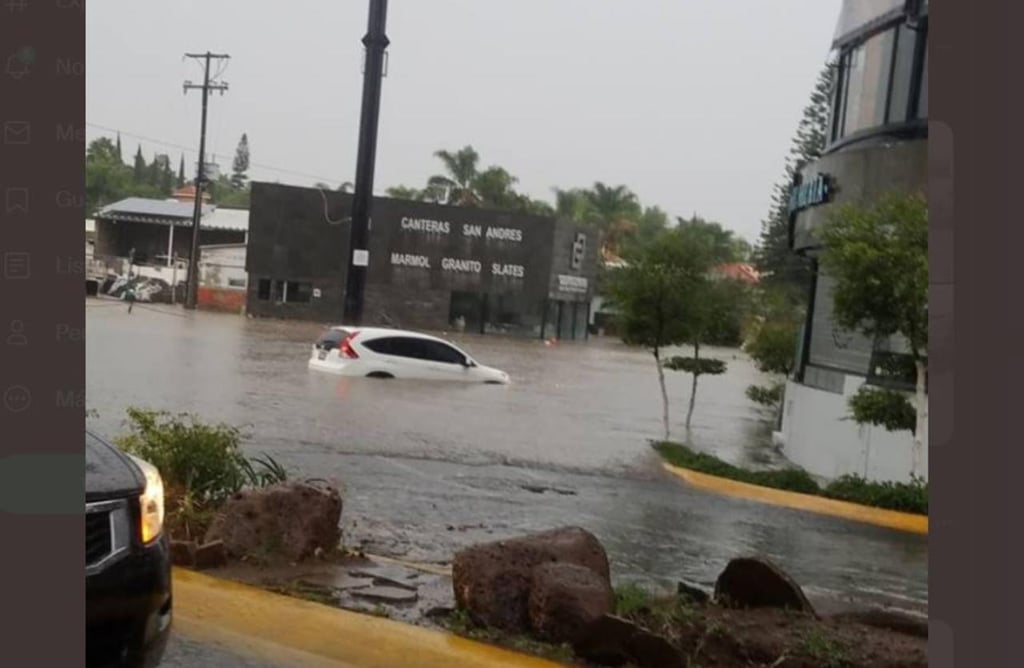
346	349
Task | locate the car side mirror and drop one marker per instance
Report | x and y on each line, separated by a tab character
468	363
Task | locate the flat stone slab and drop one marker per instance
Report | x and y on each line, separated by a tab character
339	581
386	594
392	577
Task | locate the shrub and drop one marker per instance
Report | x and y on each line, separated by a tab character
883	408
792	479
909	497
766	396
198	461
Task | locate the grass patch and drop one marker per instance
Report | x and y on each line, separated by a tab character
828	652
909	497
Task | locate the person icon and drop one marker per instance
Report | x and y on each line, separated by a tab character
17	336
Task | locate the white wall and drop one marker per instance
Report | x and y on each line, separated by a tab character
819	437
223	267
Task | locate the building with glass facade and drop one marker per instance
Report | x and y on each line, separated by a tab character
877	144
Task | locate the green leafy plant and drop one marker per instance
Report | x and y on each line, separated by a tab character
909	497
199	461
631	598
766	396
883	408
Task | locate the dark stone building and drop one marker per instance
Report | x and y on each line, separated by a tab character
430	266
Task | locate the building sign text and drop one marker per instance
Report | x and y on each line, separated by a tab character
810	193
572	283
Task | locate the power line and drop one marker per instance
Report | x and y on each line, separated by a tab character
191	151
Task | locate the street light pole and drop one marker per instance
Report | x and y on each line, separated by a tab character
376	42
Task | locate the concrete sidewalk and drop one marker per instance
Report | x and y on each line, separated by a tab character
285	631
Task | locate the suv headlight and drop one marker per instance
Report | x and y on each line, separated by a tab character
151	502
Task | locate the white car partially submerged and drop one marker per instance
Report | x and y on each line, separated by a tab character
373	352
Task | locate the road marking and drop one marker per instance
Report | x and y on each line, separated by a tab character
292	631
891	519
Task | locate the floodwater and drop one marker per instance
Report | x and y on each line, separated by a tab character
427	468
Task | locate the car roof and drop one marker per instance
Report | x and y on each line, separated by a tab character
375	332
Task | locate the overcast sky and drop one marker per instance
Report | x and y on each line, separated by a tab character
690	103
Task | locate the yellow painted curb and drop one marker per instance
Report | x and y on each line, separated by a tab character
891	519
295	632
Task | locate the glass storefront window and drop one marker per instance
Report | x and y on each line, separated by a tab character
902	75
922	97
868	83
877	80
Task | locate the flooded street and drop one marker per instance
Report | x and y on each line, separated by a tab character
427	468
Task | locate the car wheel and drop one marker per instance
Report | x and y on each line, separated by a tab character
379	374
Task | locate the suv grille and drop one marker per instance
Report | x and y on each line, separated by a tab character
98	536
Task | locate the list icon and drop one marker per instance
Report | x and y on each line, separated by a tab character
17	265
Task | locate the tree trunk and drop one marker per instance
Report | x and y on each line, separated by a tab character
693	388
664	392
780	411
921	430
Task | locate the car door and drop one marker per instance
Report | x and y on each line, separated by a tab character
444	361
411	358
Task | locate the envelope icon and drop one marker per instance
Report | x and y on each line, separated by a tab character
17	132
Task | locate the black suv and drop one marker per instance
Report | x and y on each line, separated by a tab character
127	559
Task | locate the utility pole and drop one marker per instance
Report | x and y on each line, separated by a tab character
376	42
193	259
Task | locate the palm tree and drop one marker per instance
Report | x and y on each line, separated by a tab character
459	183
615	211
572	204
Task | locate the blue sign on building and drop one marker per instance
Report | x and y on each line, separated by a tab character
812	192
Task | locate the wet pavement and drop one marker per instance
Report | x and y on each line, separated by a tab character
427	468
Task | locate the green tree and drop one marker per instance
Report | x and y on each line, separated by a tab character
878	258
403	192
458	185
773	256
614	211
495	188
666	297
139	171
181	172
773	347
107	178
723	245
572	204
240	165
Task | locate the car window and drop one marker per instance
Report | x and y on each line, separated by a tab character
406	347
383	346
442	352
331	338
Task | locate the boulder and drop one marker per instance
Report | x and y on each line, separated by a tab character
614	641
492	581
752	582
565	599
289	520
